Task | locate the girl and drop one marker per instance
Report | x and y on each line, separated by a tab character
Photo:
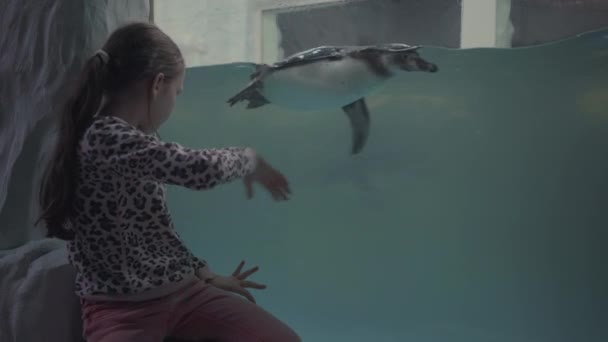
103	192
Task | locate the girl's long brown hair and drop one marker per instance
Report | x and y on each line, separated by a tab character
135	52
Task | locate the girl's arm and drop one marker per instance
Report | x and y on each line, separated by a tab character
133	154
203	271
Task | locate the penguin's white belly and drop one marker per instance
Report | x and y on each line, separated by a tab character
320	85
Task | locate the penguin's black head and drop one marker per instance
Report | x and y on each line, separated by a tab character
410	60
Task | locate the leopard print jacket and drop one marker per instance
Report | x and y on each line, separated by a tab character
125	242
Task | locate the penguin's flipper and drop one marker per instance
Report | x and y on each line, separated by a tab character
250	94
358	115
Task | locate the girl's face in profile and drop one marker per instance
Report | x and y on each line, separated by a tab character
163	95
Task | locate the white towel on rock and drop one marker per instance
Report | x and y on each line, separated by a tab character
37	300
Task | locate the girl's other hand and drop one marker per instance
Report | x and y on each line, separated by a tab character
238	282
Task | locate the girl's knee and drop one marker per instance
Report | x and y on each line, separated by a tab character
285	334
292	337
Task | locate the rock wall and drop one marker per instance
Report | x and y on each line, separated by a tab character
43	45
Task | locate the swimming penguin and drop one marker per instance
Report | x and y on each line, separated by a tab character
330	77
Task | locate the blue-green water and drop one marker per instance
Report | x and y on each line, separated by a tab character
477	211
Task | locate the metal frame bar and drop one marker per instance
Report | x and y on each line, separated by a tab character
258	9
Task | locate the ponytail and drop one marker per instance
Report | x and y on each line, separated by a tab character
60	178
133	52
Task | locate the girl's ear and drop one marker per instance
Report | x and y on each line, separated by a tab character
157	83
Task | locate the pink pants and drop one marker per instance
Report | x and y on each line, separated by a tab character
200	312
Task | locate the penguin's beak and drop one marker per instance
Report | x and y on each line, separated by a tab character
426	66
419	64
